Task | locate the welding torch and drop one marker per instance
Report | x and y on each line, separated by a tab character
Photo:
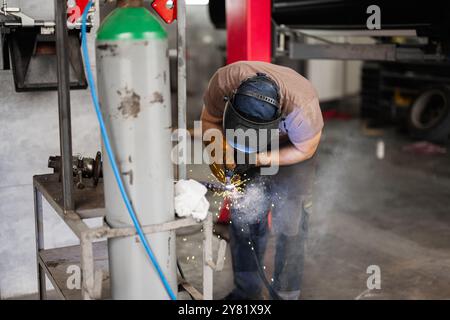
221	187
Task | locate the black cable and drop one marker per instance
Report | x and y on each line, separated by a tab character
262	275
180	270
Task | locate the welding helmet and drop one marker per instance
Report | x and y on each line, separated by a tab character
253	109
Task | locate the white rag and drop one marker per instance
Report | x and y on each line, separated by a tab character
190	199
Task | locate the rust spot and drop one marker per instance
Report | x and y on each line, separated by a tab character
157	97
130	174
130	104
168	246
180	41
181	61
109	48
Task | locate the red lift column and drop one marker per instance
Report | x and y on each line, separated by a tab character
249	37
249	34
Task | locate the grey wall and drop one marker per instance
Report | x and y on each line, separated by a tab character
28	136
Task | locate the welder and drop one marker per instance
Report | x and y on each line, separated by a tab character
251	95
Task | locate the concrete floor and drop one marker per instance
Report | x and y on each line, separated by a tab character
392	212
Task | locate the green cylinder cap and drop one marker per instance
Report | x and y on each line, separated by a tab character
130	24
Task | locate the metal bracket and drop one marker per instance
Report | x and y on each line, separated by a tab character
292	43
25	20
92	279
218	266
374	52
166	9
20	19
29	49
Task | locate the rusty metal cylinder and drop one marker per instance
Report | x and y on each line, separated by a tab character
134	93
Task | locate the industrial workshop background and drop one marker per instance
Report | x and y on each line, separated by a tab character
383	183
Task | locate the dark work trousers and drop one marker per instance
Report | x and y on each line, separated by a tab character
288	195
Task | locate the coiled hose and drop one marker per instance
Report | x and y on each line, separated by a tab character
112	159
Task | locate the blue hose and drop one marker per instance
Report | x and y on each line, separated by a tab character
112	159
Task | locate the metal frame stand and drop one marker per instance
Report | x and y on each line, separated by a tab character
291	42
53	263
76	205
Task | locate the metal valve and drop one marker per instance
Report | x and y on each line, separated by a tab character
83	168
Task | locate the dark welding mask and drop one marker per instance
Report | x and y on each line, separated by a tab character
251	113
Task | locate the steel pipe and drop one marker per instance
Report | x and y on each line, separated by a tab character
182	96
65	127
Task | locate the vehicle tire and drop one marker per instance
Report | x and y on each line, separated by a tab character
429	116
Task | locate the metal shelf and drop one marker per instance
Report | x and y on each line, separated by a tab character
89	202
91	254
56	263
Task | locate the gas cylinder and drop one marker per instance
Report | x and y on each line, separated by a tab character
134	93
